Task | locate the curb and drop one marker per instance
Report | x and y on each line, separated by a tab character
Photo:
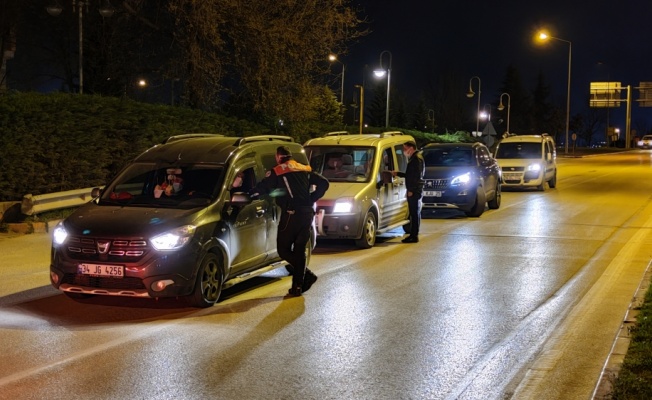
614	362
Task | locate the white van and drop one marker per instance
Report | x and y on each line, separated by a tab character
527	161
361	201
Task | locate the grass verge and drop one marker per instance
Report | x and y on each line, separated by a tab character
634	380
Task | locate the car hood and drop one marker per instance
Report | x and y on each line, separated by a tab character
446	172
337	190
108	220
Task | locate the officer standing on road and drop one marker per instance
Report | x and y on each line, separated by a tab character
413	175
290	182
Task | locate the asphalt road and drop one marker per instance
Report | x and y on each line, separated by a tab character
524	302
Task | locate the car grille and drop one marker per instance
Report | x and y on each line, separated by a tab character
103	282
435	184
118	250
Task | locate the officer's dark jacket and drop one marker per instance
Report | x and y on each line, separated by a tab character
414	172
290	183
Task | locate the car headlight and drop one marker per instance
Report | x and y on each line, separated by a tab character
534	167
174	239
343	206
59	234
461	179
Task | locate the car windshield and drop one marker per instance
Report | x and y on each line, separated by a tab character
519	150
155	185
448	156
342	163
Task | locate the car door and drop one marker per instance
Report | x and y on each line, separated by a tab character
392	199
248	223
489	170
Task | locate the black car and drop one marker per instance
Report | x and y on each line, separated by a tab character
175	222
461	176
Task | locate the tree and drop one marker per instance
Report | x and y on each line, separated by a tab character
8	17
263	53
521	121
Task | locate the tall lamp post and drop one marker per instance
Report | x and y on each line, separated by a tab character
333	58
543	37
106	10
501	107
470	94
380	73
361	87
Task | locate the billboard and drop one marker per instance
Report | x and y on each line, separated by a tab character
606	94
645	94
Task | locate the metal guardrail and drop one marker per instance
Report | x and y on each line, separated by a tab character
54	201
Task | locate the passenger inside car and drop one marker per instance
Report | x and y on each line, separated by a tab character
334	168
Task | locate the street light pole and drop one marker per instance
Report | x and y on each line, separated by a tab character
545	36
361	87
333	58
105	11
380	73
470	94
502	107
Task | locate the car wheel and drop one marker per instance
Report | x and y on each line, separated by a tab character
478	206
368	238
208	286
494	204
553	182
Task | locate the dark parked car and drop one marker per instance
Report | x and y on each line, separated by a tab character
175	222
461	176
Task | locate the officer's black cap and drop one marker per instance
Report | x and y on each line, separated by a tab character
283	151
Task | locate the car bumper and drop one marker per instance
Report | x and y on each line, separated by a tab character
522	178
160	275
462	199
338	226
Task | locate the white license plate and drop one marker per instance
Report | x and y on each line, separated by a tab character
511	177
115	271
432	193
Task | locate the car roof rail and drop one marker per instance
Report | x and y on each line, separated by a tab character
337	133
186	136
392	133
261	138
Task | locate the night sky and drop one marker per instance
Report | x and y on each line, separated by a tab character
611	40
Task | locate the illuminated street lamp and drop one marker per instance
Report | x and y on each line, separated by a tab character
543	36
486	112
380	73
333	58
106	10
501	107
470	94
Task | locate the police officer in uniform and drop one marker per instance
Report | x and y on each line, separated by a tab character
290	182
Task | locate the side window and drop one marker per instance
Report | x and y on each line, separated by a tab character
401	158
483	156
243	181
388	160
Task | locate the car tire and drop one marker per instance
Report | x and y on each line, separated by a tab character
208	285
478	206
368	238
494	203
552	183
